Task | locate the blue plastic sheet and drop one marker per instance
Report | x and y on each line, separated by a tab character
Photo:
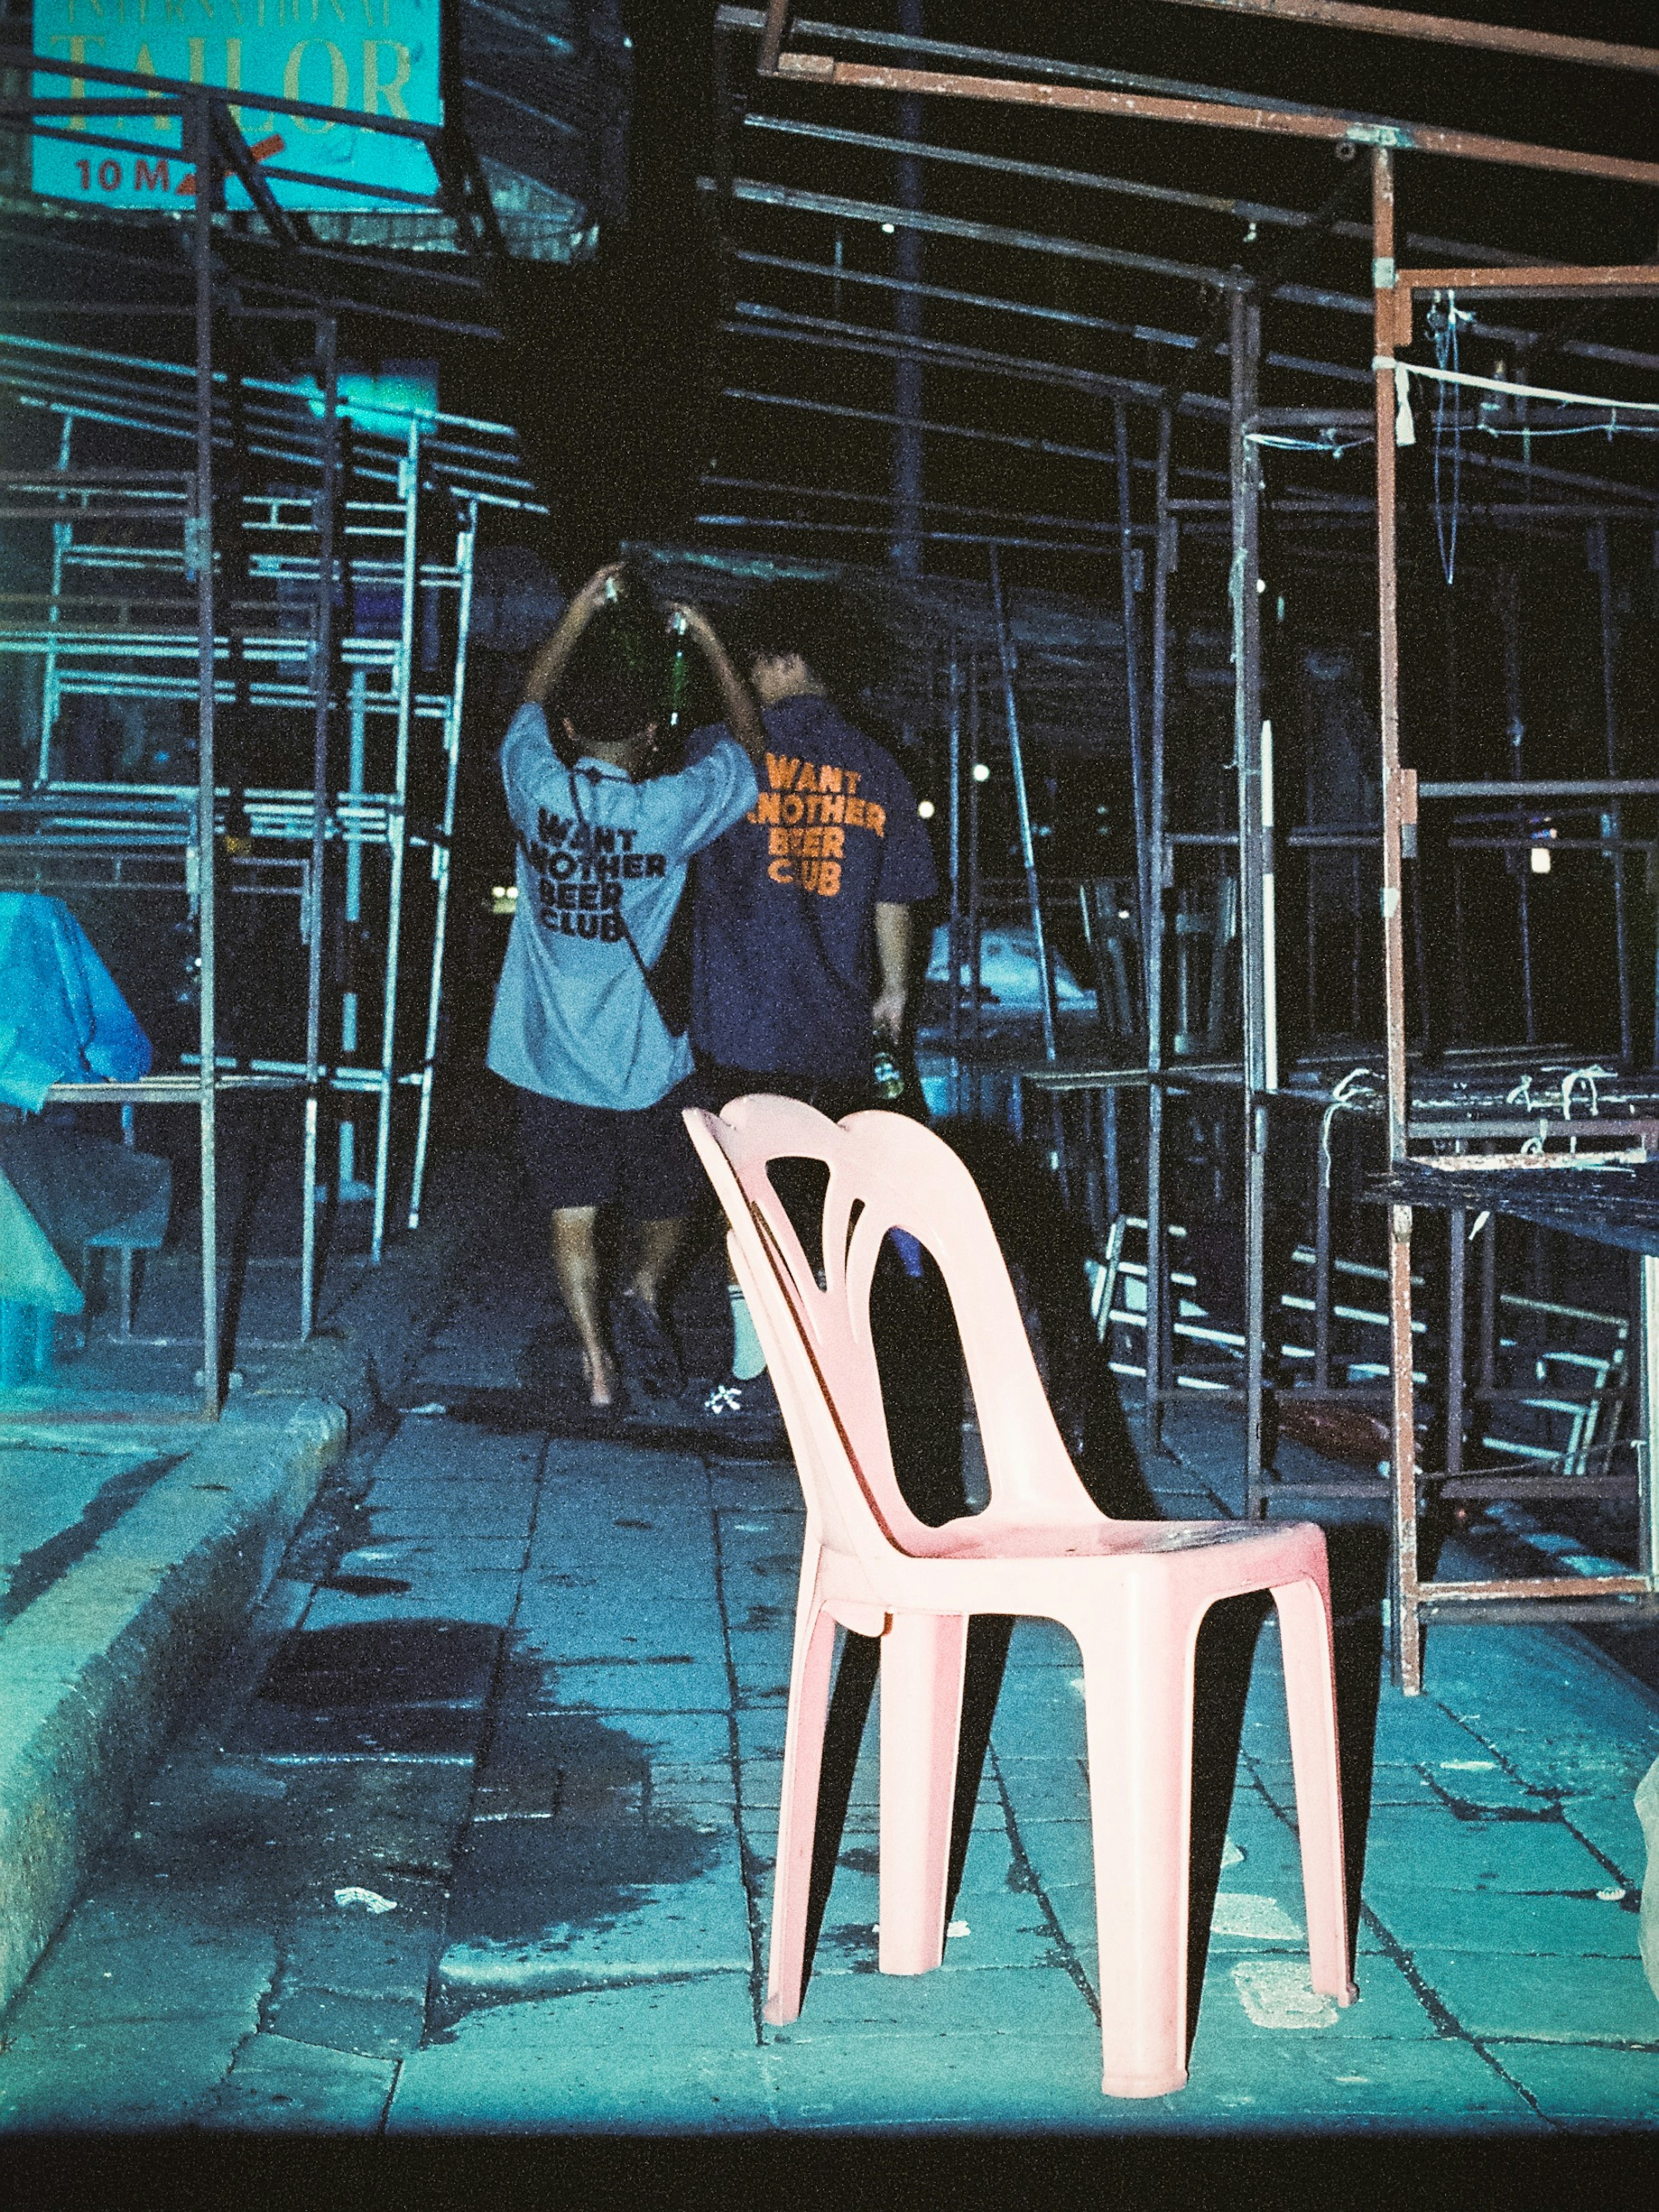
61	1018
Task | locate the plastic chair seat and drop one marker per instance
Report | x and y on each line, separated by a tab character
1132	1594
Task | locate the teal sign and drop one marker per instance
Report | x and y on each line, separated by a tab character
372	57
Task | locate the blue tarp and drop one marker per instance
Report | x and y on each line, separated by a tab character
61	1018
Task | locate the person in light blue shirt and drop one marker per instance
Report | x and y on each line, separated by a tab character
580	1025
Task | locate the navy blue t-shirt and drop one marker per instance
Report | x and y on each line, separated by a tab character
784	917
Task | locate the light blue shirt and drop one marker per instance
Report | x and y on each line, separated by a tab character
575	1018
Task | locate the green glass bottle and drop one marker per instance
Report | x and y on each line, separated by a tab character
886	1073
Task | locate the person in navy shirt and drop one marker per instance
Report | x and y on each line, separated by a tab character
801	910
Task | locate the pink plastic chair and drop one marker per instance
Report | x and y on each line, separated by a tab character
1132	1593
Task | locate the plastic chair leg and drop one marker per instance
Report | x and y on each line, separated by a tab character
1305	1628
1137	1697
922	1660
798	1813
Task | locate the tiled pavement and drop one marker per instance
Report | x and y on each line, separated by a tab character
529	1694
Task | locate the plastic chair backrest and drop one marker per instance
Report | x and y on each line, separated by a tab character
885	1171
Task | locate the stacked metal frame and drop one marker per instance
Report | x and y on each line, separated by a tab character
395	507
830	56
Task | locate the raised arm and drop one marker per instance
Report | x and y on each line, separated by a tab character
742	713
554	658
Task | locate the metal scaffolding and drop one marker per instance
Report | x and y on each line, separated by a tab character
1421	1093
304	580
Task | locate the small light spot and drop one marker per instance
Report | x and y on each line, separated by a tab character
925	808
1540	859
958	1927
1611	1896
981	772
887	230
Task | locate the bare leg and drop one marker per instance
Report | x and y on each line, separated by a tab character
576	1260
659	1244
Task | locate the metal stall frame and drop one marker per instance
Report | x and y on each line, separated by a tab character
1416	1601
1056	86
213	144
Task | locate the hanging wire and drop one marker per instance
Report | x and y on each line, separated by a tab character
1329	442
1445	354
1579	429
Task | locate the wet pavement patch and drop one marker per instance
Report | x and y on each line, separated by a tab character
403	1688
578	1848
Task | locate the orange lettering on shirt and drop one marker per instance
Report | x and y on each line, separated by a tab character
778	841
766	807
780	872
852	780
829	882
830	810
875	817
813	842
829	779
833	840
780	772
793	806
808	779
855	812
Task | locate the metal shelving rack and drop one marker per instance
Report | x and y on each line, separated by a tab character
218	586
1478	1121
1520	496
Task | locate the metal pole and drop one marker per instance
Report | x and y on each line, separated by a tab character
1005	655
1509	615
61	534
409	489
1321	1295
954	848
1269	920
975	933
1405	1636
322	686
1648	1556
1151	946
1489	1306
1244	349
907	542
351	830
1601	555
1456	1309
199	556
1132	675
465	546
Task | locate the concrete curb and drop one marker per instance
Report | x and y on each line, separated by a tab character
366	1346
97	1668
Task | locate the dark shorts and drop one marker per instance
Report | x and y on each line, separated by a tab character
832	1095
640	1160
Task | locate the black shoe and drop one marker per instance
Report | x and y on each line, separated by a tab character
645	1351
747	1412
